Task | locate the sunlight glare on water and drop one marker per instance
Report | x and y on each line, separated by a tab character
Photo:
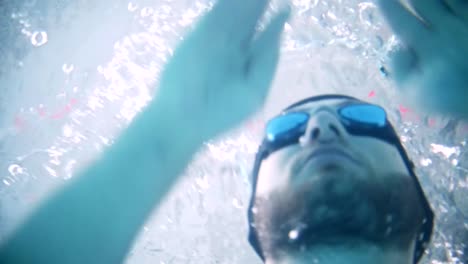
75	73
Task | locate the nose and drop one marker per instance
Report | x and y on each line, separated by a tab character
324	127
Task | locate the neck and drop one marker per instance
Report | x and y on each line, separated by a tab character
356	254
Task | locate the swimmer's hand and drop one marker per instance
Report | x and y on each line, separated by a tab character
221	73
432	66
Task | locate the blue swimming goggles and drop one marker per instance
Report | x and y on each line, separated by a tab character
358	118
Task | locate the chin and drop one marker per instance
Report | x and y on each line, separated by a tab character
337	203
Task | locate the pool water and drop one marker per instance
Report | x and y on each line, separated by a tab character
75	73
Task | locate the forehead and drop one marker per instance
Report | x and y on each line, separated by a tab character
311	106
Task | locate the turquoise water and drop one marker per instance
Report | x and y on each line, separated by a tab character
75	73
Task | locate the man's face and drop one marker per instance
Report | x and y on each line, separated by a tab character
333	185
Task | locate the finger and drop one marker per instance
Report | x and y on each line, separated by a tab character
459	8
235	18
265	54
434	12
408	27
404	63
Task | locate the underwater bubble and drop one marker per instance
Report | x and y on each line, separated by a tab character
67	131
51	171
237	203
146	11
425	162
67	68
26	32
389	218
446	151
305	5
25	23
39	38
254	210
69	169
132	7
202	183
15	169
293	234
7	183
388	231
367	12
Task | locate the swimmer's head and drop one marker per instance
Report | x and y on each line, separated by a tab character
332	171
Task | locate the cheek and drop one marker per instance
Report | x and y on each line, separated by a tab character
271	176
383	157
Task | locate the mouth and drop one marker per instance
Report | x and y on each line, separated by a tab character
329	158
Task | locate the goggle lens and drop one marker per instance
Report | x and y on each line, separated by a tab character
365	114
357	118
281	126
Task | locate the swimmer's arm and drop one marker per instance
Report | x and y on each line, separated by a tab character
221	74
96	217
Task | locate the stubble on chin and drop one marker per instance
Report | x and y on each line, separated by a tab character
337	206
